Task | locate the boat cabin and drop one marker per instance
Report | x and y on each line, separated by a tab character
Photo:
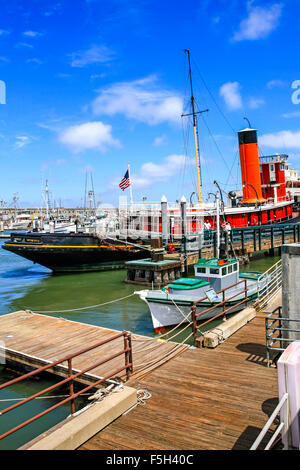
220	273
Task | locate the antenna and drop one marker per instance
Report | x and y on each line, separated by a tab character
250	127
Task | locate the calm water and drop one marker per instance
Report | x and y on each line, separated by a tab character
24	285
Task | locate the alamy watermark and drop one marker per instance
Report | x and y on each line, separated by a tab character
296	93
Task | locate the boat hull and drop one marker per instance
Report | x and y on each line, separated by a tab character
64	253
170	310
167	315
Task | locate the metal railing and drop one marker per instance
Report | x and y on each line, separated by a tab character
277	332
197	316
284	424
128	367
273	276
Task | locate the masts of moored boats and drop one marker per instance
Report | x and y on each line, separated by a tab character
194	114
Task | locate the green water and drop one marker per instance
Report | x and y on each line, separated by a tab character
24	285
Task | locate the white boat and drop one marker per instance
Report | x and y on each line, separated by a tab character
22	222
61	226
172	305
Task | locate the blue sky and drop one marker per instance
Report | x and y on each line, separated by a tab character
92	85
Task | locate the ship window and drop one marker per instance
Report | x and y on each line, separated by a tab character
15	239
201	270
235	267
229	269
224	271
214	271
33	240
272	167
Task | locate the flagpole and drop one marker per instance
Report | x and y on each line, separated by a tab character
130	186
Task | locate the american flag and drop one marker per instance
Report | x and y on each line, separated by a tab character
125	183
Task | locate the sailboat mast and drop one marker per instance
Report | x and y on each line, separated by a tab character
195	131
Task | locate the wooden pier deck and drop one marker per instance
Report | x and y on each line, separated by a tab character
202	400
205	399
34	339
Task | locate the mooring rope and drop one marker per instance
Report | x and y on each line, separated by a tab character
85	308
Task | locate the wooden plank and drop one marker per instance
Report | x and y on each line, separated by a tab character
204	399
39	338
201	398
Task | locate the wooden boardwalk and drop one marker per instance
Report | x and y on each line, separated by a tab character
204	399
201	398
35	339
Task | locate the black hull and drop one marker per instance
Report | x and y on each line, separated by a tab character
73	253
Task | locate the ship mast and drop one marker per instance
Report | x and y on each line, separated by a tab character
194	114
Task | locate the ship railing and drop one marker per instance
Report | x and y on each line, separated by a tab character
275	234
272	280
195	317
73	376
272	200
283	427
280	332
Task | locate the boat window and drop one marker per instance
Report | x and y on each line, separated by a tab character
201	270
224	271
33	240
229	269
214	271
235	267
15	239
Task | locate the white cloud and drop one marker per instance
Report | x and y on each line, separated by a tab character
162	140
32	34
88	136
286	139
141	100
275	84
152	173
291	115
21	140
255	103
34	60
260	22
4	32
94	55
24	44
230	91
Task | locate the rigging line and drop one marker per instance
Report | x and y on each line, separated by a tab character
183	172
186	146
234	160
212	97
85	308
204	162
217	147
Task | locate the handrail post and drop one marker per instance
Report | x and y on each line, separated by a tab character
71	385
127	358
194	322
130	353
224	307
246	303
